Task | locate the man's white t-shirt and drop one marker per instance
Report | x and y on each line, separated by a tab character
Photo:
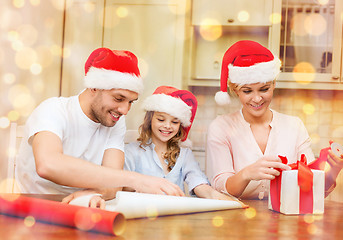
81	138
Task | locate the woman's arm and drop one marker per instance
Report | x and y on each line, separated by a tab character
336	164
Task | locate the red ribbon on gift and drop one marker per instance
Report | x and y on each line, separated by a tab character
305	182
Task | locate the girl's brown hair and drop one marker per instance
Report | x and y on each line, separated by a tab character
173	148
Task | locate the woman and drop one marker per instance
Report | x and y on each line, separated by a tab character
243	147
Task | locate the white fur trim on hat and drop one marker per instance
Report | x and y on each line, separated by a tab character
101	78
259	73
222	98
172	105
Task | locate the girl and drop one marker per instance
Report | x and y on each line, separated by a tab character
242	147
170	114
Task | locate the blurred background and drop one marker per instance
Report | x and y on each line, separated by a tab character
44	45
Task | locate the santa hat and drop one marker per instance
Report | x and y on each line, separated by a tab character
108	69
246	62
181	104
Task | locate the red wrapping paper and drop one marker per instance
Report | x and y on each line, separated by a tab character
83	218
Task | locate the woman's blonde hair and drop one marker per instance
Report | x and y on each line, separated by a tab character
173	148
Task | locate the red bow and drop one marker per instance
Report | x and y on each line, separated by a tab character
305	182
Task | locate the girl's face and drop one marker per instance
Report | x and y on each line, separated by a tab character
256	98
164	126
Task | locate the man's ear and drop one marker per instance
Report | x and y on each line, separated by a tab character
93	90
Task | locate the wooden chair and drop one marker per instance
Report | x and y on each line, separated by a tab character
16	134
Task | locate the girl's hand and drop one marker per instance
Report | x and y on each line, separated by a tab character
264	169
156	185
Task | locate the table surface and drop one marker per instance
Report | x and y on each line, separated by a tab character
256	222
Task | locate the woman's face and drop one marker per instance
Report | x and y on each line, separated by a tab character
164	126
256	98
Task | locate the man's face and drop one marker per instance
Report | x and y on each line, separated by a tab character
109	105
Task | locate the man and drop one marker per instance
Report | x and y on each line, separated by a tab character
77	143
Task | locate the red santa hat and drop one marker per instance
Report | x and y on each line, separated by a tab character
108	69
181	104
246	62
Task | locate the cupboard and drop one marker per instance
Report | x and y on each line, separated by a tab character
305	34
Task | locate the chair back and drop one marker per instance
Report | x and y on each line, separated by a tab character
131	136
16	134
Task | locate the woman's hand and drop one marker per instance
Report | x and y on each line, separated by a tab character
95	202
335	162
266	168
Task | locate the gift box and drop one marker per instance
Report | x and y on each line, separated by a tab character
298	191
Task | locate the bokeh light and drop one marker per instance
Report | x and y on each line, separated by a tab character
13	115
122	12
83	219
151	212
17	46
250	212
35	2
315	138
59	5
13	35
304	72
25	58
18	3
297	24
29	221
4	189
10	19
96	217
315	24
89	7
210	29
21	99
4	122
323	2
9	78
66	52
56	50
243	16
217	221
36	68
275	18
308	218
312	229
308	109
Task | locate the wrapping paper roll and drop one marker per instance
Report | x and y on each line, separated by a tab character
141	205
83	218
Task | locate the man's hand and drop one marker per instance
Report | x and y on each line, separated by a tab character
95	202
